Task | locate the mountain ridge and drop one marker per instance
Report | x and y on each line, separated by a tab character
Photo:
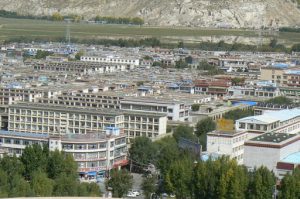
194	13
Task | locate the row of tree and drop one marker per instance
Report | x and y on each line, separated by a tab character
120	20
39	172
182	173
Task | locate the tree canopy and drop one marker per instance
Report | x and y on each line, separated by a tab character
40	172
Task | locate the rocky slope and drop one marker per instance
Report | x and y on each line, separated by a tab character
203	13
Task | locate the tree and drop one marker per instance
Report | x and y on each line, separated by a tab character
195	107
238	114
89	189
120	181
180	44
180	64
57	17
12	166
40	54
295	48
167	153
184	132
34	158
178	182
78	55
261	184
237	81
41	185
65	186
19	187
3	184
204	126
142	151
148	185
188	59
59	163
290	185
280	100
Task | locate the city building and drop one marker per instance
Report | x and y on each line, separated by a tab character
282	121
59	119
175	110
131	63
95	153
271	150
229	143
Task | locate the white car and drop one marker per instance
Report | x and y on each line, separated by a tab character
137	193
131	194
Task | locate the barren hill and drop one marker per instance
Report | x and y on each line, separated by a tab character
202	13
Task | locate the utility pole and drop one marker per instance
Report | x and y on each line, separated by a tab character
68	35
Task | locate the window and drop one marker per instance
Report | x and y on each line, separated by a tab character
242	125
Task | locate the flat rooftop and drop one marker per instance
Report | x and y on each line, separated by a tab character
273	137
293	158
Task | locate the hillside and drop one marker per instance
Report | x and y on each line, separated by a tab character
201	13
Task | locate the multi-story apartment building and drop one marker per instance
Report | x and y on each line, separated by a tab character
227	143
94	153
175	110
282	121
131	63
53	119
80	67
58	119
93	100
284	76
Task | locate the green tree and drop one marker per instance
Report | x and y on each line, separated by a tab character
142	151
195	107
180	44
180	174
238	114
34	158
167	153
280	100
120	181
78	55
19	187
65	186
261	184
290	185
55	164
148	185
40	54
89	189
183	131
41	185
202	128
237	81
3	184
12	166
180	64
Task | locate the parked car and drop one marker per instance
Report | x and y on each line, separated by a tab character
130	194
136	192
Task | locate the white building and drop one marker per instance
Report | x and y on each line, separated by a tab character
227	143
94	152
110	59
270	148
282	121
175	110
